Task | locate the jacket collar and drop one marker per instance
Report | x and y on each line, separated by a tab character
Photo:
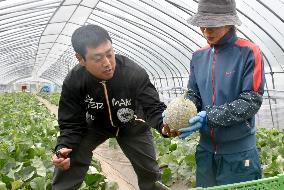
229	38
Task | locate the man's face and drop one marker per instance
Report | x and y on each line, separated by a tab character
214	34
100	61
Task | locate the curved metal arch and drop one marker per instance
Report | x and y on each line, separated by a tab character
142	53
21	33
136	56
160	20
27	77
54	70
64	53
17	63
138	45
13	66
16	43
18	53
157	36
135	60
175	4
268	54
267	33
247	16
14	54
274	13
157	57
58	70
39	4
25	17
69	57
29	11
170	69
18	48
8	80
145	20
24	24
143	37
16	79
265	58
154	76
53	79
55	75
178	19
190	13
36	70
25	68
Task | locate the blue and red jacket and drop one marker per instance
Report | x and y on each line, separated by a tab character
227	81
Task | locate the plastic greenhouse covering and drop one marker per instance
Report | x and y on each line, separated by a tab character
35	45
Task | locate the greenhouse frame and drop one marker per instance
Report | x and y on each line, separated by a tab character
36	46
36	50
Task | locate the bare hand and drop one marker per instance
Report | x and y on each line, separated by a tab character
166	130
61	160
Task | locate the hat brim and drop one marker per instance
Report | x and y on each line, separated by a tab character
213	20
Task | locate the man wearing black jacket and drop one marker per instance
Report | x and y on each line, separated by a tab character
99	100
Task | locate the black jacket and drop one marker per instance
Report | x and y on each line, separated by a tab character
83	98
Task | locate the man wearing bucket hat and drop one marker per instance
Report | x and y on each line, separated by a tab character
226	83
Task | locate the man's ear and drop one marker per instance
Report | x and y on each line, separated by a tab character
80	59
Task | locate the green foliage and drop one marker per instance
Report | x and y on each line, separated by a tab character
270	143
28	134
53	98
177	157
2	186
112	143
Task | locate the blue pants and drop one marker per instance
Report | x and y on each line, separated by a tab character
220	169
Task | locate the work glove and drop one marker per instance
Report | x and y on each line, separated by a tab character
195	123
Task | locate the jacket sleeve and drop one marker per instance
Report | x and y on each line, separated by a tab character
193	91
71	118
249	100
148	98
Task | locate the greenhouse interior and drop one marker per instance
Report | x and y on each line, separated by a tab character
37	54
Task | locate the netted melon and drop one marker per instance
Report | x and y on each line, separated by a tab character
178	112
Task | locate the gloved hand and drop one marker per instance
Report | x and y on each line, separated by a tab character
195	123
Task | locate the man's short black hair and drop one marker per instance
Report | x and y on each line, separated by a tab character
88	36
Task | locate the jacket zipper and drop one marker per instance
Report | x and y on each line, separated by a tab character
108	106
212	132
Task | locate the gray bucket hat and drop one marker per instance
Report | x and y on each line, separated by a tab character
215	13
